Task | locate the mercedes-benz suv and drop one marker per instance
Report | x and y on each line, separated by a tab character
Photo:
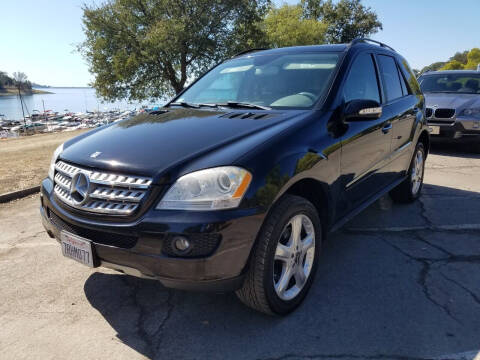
235	183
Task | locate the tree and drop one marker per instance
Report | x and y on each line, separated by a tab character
4	79
473	59
21	80
453	65
139	49
433	67
286	26
346	19
460	57
467	60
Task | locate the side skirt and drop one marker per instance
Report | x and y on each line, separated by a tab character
365	204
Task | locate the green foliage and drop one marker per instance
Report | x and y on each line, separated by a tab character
453	65
345	19
467	60
18	80
5	80
141	49
433	67
286	26
461	57
473	59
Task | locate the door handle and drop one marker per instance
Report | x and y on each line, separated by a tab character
387	128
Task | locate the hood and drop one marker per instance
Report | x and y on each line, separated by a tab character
452	100
150	143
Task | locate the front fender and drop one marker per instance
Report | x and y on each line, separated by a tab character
299	168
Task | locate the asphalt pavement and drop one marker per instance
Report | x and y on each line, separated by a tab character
397	282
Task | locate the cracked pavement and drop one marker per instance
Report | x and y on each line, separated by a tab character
397	282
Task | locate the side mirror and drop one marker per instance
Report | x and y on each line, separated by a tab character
360	110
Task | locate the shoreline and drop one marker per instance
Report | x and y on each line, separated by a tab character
11	92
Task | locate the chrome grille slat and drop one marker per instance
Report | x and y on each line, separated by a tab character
109	193
117	194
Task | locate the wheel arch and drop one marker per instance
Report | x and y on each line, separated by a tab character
425	139
317	193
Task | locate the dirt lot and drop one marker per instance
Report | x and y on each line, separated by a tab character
24	161
399	282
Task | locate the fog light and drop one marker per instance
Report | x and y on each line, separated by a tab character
181	244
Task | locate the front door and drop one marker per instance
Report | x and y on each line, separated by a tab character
366	145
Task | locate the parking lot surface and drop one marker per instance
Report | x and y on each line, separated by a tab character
397	282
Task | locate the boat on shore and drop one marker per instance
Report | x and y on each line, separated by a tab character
50	121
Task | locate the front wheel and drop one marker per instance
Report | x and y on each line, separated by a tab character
285	257
410	189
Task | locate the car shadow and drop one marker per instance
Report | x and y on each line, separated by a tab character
377	294
468	148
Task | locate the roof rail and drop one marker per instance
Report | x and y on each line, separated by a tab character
248	51
367	40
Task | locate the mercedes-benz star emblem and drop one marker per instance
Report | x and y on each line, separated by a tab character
79	188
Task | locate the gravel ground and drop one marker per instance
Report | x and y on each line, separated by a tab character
24	161
398	282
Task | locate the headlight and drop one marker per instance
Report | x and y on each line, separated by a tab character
475	112
56	153
209	189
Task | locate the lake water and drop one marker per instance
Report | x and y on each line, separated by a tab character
61	99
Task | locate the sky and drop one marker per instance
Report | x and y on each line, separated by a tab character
39	37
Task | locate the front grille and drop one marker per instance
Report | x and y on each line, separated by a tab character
428	112
107	193
99	237
444	113
202	245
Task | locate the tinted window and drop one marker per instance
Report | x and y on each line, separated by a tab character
402	82
409	76
362	82
390	79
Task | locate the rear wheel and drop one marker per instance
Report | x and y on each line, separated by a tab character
410	189
285	257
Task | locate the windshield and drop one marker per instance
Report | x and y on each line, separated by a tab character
451	83
295	81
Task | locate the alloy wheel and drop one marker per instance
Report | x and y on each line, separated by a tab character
417	172
294	257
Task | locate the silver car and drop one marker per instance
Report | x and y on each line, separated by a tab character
452	102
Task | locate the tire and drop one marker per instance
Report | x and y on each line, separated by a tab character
266	287
411	188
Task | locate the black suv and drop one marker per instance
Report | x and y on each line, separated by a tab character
236	182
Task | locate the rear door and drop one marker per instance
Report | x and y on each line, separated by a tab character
401	106
365	144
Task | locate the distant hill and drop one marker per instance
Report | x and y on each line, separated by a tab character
12	90
35	85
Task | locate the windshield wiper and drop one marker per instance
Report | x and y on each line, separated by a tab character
240	105
185	104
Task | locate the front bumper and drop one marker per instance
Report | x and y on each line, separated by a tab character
459	127
138	248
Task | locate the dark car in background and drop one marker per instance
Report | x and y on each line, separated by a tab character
452	102
235	183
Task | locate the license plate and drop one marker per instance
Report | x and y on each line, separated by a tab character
76	248
434	130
